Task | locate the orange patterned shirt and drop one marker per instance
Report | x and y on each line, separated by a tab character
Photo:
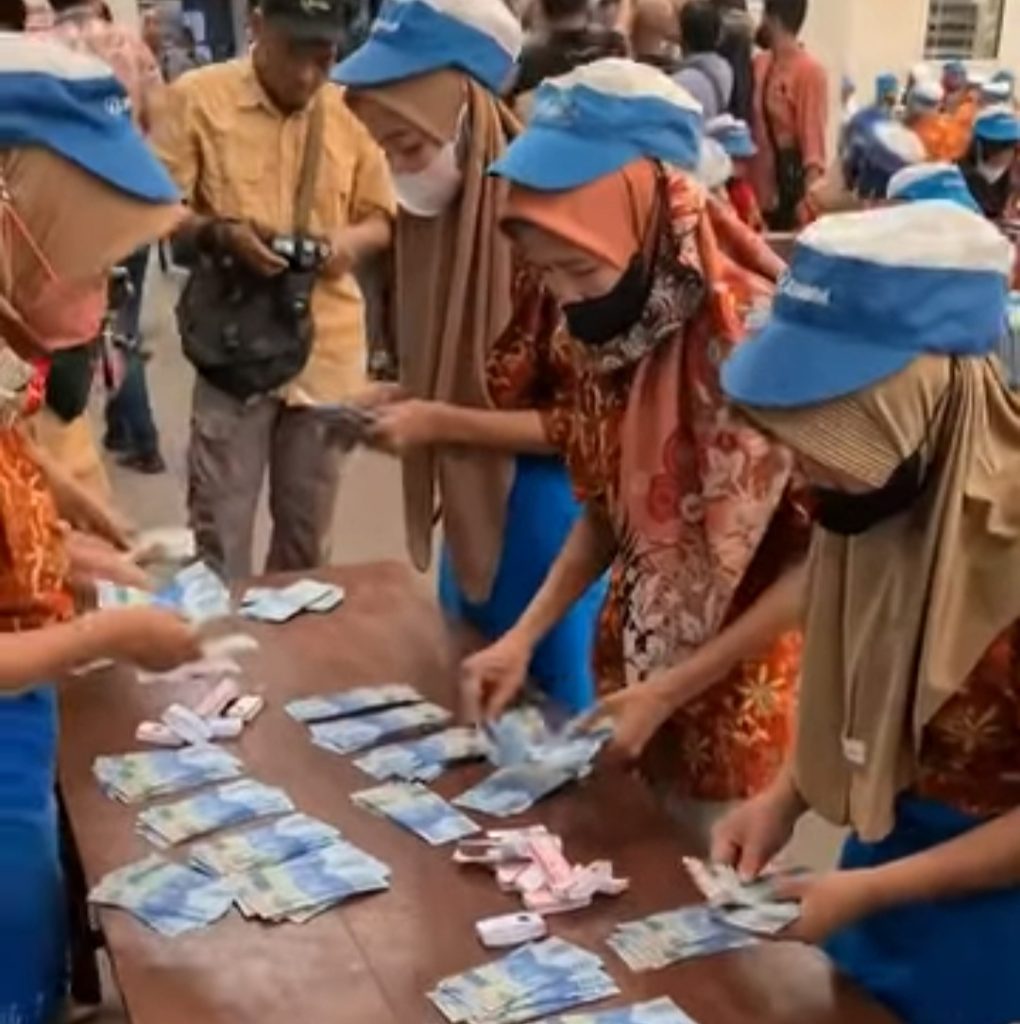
970	757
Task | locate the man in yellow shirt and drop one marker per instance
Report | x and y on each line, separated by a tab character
234	140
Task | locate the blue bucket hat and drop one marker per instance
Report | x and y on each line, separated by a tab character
932	181
998	124
996	90
414	37
733	135
73	105
866	294
599	118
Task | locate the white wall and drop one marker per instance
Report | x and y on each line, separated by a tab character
124	10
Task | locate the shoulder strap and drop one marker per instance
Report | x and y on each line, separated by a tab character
310	161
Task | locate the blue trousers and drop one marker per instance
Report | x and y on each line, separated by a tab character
540	514
951	962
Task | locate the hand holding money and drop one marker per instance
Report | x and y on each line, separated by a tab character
828	903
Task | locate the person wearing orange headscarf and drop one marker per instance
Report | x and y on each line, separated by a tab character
78	190
688	504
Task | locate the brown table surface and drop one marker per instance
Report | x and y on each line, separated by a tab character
371	961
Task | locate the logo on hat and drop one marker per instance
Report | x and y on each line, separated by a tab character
802	292
118	106
554	105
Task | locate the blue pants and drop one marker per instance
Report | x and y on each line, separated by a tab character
129	422
540	514
32	908
952	962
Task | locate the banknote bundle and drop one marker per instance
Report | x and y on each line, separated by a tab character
169	898
281	604
301	888
417	809
196	593
231	804
134	778
530	862
513	790
352	702
262	846
533	981
658	1011
752	906
350	735
423	760
668	938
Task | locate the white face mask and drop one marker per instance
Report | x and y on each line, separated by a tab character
428	192
992	172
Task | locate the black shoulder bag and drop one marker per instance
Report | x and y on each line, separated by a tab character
791	184
246	334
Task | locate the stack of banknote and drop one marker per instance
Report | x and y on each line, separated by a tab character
281	604
196	593
676	935
417	809
134	778
658	1011
536	980
169	898
349	735
301	888
752	906
513	790
423	760
271	843
352	702
234	803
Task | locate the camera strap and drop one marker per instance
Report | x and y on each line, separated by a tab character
308	176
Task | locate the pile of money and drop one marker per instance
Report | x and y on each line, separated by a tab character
273	843
417	809
232	804
281	604
350	735
536	980
513	790
752	906
658	1011
676	935
134	778
423	760
196	593
299	889
352	702
169	898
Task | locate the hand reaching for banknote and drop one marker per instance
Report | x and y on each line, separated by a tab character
828	903
492	678
151	638
636	713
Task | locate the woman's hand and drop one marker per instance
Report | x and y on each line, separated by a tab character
828	903
93	559
752	834
492	678
403	426
637	713
150	638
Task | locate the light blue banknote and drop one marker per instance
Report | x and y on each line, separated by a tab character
541	978
658	1011
676	935
352	702
423	760
232	804
523	736
280	604
197	593
417	809
272	843
298	889
513	735
350	735
513	790
169	898
134	778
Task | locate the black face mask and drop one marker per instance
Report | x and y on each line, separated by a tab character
850	515
598	321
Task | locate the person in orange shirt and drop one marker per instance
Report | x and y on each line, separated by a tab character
923	116
790	117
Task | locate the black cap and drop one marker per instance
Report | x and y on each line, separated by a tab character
311	20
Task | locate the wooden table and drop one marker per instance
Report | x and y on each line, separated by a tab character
371	961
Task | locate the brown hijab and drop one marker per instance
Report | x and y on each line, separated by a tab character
899	617
81	226
454	276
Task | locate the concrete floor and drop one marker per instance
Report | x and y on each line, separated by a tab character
367	525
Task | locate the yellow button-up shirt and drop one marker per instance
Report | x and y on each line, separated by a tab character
235	155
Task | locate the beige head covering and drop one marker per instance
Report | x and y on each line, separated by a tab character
454	275
899	616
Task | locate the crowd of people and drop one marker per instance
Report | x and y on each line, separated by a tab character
760	511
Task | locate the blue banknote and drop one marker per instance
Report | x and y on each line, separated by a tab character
352	702
658	1011
423	760
349	735
514	789
169	898
417	809
134	778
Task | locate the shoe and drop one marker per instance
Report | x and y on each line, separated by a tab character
116	443
150	464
